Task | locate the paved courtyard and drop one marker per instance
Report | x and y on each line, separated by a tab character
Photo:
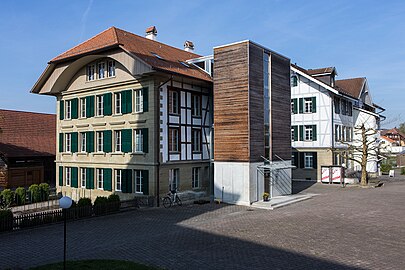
341	228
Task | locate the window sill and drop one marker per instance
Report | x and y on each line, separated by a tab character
117	154
174	114
67	154
117	114
82	154
139	193
174	152
196	152
137	112
99	154
137	153
99	116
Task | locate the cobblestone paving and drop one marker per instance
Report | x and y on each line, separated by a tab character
341	228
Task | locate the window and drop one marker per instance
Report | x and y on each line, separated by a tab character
138	181
344	107
118	103
308	160
100	178
68	176
174	102
308	133
292	107
117	141
338	133
195	178
138	100
68	144
196	140
83	177
294	81
173	179
196	105
350	108
90	72
68	109
111	68
337	105
101	70
100	105
292	134
83	107
99	141
293	159
173	139
83	142
308	105
138	140
118	180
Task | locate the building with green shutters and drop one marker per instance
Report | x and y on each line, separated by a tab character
134	116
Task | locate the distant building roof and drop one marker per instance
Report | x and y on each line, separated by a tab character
27	134
352	86
392	131
387	139
319	71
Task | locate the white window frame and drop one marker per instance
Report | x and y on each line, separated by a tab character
83	142
308	105
68	109
82	107
138	141
100	105
118	179
117	140
83	177
196	140
196	173
100	179
68	142
118	103
138	94
308	161
101	70
99	141
138	181
292	134
308	132
90	72
68	175
196	108
110	68
175	95
175	140
173	179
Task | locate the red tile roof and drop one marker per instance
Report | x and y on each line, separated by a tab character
27	134
352	86
317	71
392	131
387	139
142	48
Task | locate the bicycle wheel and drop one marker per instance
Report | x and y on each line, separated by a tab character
167	202
178	201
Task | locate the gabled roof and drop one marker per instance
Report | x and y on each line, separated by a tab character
27	134
352	86
387	139
158	55
319	71
392	131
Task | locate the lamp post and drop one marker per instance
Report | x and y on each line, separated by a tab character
65	203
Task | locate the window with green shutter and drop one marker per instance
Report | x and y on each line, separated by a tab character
314	104
90	178
301	133
107	143
107	178
74	177
126	101
145	94
314	132
90	141
295	133
61	142
107	104
75	108
61	110
126	140
301	105
294	106
145	136
60	176
89	106
145	182
74	142
127	181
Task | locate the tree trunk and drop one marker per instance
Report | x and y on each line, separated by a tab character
364	156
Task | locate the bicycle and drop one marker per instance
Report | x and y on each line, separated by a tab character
171	198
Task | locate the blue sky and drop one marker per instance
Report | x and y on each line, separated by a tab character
359	38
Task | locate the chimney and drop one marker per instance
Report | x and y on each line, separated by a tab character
188	46
151	33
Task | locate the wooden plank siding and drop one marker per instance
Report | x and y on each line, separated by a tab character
280	121
231	111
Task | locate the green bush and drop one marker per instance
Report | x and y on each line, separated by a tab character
100	205
6	220
385	168
35	193
84	202
20	195
8	197
114	203
100	200
114	198
44	190
403	170
84	207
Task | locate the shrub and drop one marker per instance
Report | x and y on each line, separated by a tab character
114	203
84	202
20	195
44	190
84	207
113	198
403	170
6	220
35	193
100	205
386	168
8	197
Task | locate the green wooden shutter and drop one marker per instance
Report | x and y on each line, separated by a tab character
89	106
61	110
61	135
314	132
107	179
301	158
127	181
126	140
315	160
314	104
74	177
295	133
145	93
90	141
126	101
301	105
107	143
74	142
295	106
145	182
145	135
75	108
90	178
301	133
60	176
107	101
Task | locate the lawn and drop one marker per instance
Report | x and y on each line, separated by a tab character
96	265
